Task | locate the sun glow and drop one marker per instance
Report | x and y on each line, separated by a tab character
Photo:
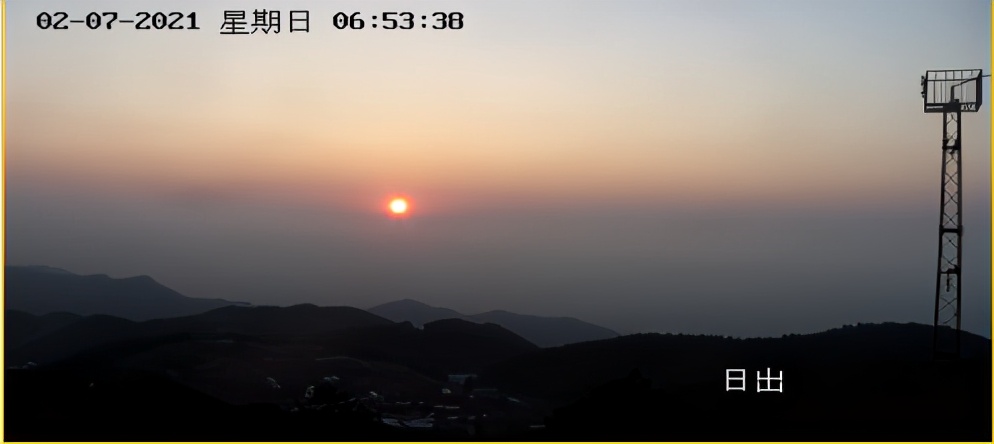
398	207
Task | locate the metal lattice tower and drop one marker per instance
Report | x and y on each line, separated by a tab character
950	92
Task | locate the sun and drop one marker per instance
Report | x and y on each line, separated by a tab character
398	206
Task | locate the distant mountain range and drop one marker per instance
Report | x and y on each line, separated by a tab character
262	366
540	330
59	336
866	381
101	370
42	290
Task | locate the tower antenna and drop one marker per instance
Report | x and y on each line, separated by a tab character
950	92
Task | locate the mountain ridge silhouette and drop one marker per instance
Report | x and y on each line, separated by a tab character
41	289
542	330
230	352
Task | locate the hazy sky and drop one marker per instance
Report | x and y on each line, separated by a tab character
737	167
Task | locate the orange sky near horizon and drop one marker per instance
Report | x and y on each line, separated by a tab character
671	115
555	154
